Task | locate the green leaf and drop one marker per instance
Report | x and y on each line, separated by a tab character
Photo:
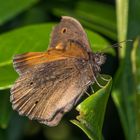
35	15
135	58
97	16
92	110
28	39
98	13
124	89
99	44
5	109
11	8
122	22
8	75
123	96
96	27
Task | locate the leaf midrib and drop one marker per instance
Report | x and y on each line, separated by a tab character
6	63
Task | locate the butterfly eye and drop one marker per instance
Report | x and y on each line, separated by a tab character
64	30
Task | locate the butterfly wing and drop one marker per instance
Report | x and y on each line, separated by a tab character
69	29
46	90
25	61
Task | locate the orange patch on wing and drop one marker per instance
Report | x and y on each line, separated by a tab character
27	60
60	46
75	50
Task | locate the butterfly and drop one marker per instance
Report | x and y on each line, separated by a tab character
50	83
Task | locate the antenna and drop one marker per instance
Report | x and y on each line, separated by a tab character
118	44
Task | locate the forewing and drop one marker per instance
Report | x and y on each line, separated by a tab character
49	90
69	29
24	62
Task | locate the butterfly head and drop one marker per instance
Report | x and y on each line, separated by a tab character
97	59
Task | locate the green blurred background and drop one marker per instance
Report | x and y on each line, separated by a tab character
25	26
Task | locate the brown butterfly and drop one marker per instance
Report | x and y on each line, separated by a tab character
52	82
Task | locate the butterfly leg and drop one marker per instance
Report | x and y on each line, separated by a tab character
92	88
101	86
103	78
87	93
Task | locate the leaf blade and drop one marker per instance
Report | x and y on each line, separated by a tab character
10	8
92	112
5	109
